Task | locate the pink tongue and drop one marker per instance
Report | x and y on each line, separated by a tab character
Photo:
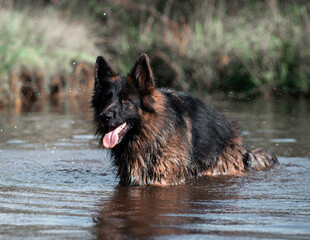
111	138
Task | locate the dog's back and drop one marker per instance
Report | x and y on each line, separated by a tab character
216	143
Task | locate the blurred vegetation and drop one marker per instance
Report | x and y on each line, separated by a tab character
238	48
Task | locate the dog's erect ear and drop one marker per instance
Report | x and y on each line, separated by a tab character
103	70
142	73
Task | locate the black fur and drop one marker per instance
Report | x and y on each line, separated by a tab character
170	136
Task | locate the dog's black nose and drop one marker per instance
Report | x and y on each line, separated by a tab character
106	117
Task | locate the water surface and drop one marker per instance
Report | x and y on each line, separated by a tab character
55	183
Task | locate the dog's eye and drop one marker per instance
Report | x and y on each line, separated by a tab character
125	100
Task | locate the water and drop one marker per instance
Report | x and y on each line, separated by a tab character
56	184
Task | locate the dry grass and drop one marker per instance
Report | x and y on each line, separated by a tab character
42	40
261	43
243	49
203	46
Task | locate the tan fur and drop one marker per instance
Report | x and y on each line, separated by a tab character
170	167
165	147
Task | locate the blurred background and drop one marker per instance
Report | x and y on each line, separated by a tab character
238	49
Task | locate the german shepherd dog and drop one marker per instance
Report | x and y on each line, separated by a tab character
162	136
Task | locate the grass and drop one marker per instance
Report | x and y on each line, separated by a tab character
42	41
250	49
242	50
266	48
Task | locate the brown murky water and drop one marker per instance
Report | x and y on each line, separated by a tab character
56	184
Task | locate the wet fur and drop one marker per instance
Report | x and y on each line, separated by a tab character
173	136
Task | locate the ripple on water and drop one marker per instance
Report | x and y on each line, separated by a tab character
54	194
283	140
84	137
15	141
54	185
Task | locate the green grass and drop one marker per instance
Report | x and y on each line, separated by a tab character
266	47
266	51
42	40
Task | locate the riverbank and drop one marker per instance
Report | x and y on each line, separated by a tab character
259	48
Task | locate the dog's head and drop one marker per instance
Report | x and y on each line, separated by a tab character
118	102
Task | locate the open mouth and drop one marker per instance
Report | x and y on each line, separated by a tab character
115	136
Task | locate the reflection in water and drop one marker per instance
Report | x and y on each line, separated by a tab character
152	211
56	184
262	205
